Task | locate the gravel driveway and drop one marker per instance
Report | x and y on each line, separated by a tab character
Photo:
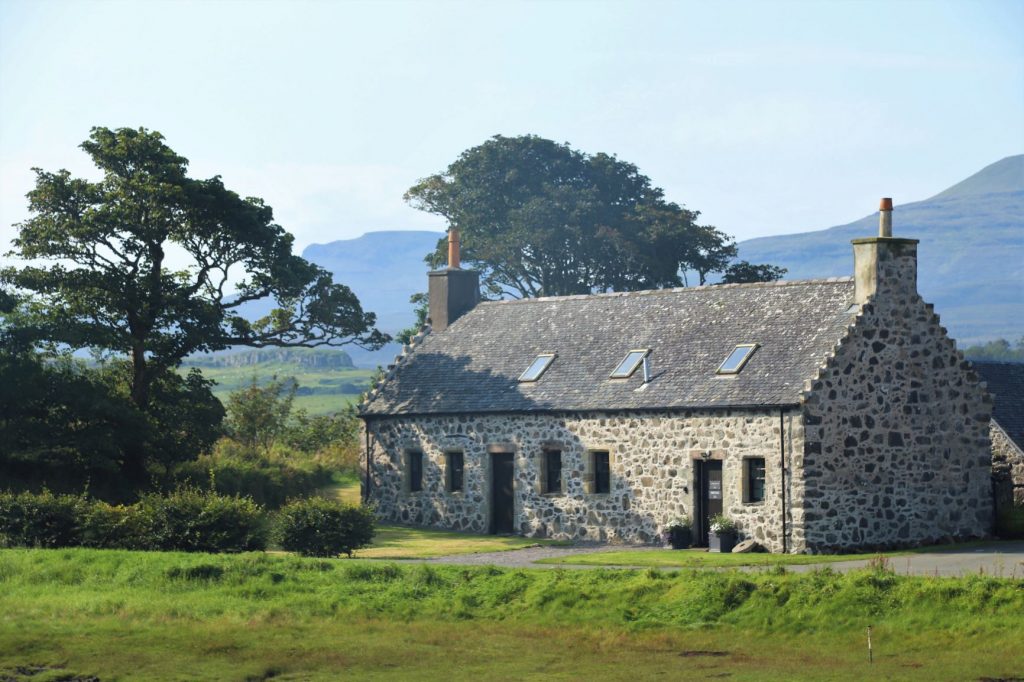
1001	559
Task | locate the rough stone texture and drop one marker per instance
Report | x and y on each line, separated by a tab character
1007	469
651	456
897	447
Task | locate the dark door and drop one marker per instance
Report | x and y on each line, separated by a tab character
708	487
502	502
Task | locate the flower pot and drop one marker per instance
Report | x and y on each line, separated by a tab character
721	542
680	538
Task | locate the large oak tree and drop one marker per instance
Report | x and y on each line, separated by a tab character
539	218
98	270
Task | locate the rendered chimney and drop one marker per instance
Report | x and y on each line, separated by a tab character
454	257
452	292
884	265
885	218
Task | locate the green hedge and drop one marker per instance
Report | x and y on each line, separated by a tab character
186	520
319	527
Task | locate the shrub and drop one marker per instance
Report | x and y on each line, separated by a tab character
319	527
41	520
110	526
192	520
270	477
722	525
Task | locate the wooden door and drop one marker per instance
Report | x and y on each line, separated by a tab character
502	499
708	489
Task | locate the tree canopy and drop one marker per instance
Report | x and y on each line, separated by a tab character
100	271
538	218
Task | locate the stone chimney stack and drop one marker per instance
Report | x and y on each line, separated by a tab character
884	265
452	292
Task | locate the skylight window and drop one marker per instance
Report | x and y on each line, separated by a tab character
537	367
630	363
734	363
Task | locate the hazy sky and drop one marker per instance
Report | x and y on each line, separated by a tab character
766	117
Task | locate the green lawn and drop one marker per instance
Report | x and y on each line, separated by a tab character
401	542
138	616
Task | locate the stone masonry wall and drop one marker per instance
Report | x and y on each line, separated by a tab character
1007	470
897	433
652	472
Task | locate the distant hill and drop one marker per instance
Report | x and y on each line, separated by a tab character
971	253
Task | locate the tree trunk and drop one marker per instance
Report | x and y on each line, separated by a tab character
134	466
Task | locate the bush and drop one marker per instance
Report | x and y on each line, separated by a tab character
41	520
187	520
269	477
109	526
192	520
319	527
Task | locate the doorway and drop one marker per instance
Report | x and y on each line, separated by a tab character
708	492
502	499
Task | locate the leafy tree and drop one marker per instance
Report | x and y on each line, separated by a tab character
743	272
421	308
107	279
538	218
69	426
999	350
258	415
143	263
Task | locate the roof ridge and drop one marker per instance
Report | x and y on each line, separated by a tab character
674	290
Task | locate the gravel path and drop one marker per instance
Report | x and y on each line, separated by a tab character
1002	559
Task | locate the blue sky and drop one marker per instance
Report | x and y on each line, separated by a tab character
768	117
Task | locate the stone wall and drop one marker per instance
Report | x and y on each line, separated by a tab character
1007	470
897	433
651	456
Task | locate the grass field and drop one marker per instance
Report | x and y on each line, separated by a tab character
331	388
131	615
401	542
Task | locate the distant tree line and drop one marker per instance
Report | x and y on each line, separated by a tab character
999	350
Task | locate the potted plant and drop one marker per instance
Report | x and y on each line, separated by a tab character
722	537
678	534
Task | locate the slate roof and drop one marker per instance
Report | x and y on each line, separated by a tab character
473	366
1006	383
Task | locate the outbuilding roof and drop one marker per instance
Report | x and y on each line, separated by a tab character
1006	384
474	365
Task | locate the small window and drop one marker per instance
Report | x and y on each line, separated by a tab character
739	357
602	473
754	477
415	464
629	363
553	471
454	464
537	367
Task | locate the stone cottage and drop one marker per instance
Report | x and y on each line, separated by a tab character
819	415
1006	384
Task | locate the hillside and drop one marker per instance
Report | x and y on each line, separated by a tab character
971	252
327	379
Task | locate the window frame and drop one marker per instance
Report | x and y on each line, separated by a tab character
414	484
749	478
449	458
551	358
547	457
595	456
743	363
617	374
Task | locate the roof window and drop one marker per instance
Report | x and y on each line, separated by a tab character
630	363
737	359
537	367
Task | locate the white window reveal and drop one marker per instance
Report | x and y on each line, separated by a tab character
630	363
737	359
537	367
